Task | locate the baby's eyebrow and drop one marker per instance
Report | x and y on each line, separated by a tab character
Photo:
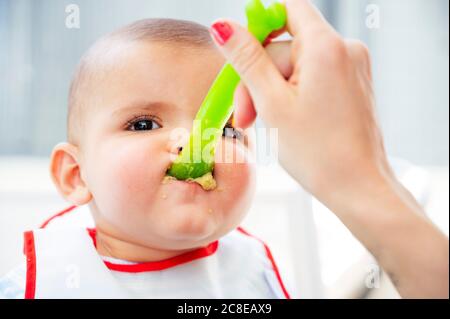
143	106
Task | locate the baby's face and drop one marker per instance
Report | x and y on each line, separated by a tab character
150	90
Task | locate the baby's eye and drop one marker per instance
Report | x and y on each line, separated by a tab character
143	125
230	131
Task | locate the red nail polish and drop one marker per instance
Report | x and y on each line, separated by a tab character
267	41
221	31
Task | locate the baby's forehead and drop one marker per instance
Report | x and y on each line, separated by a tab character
116	49
150	68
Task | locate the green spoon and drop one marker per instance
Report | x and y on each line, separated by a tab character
197	157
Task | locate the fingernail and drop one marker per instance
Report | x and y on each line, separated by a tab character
267	41
221	31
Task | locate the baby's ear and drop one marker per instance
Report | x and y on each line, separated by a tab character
66	174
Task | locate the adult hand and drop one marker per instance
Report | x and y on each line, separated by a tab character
317	90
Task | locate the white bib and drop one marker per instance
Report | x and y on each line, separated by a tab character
62	262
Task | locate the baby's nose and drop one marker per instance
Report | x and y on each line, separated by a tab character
176	148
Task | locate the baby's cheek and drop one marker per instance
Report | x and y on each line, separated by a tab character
133	173
235	179
233	162
128	176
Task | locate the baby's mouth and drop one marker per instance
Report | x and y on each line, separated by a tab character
207	181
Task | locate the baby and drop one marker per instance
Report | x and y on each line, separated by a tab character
152	239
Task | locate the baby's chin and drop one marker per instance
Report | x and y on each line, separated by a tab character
192	225
199	221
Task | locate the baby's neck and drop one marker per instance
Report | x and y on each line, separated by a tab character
111	246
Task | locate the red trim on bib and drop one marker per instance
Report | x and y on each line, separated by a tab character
65	211
272	261
162	264
30	253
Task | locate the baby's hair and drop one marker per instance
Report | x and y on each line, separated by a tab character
183	33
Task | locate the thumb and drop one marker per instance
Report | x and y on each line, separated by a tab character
248	58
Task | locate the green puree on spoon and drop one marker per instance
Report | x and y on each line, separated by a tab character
196	161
